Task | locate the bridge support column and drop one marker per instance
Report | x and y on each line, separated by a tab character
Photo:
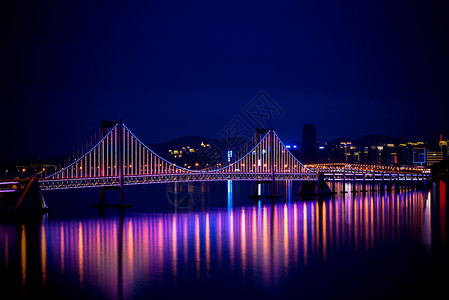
389	185
102	197
382	184
354	186
363	190
333	184
273	186
105	126
344	185
121	152
373	184
318	187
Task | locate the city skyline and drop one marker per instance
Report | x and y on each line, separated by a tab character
170	70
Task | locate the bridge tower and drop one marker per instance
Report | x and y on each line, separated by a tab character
105	127
260	132
273	187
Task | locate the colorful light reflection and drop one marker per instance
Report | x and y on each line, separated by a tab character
264	241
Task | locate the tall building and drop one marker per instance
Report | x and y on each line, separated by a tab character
309	144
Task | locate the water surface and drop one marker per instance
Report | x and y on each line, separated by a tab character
209	240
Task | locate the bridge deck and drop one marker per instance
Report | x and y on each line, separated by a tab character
52	184
342	172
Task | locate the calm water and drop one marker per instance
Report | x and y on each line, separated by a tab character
211	241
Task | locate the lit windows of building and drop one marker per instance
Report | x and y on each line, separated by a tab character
434	157
419	156
229	155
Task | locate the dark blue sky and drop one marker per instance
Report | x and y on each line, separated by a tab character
172	68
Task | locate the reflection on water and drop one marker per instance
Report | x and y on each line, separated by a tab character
263	243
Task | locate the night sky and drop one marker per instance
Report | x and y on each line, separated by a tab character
172	68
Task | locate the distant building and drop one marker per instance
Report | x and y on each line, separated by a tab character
433	157
309	144
348	149
419	156
443	147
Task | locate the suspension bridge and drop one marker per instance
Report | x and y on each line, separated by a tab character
120	158
116	157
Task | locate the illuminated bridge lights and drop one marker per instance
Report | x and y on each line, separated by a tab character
133	180
120	154
120	157
332	173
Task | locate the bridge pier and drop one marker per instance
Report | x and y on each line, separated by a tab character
273	187
389	186
372	186
354	187
344	185
382	184
102	198
318	187
105	126
273	194
363	189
